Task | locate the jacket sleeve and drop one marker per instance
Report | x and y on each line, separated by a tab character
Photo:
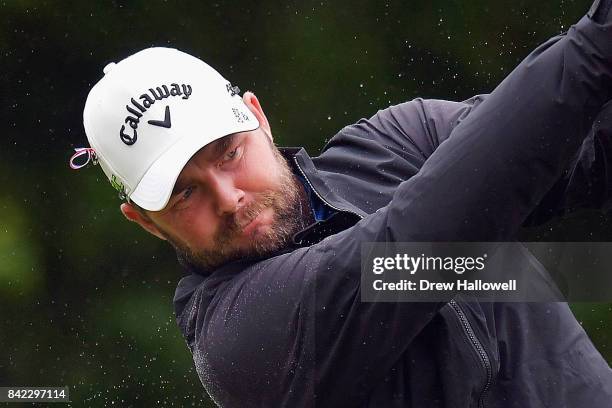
585	184
296	322
415	129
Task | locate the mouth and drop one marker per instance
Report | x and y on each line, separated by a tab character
250	227
246	221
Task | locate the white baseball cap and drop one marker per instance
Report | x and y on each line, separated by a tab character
151	112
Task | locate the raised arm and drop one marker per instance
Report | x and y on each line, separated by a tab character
411	131
586	183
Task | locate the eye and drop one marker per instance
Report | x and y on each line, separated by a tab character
186	194
232	154
182	199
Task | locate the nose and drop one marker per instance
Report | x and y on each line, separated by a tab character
228	198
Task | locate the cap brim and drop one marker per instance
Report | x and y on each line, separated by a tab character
154	189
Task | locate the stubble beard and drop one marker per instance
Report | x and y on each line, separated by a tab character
287	203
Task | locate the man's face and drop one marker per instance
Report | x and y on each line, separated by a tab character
235	198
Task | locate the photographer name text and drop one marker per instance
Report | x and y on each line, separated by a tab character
459	285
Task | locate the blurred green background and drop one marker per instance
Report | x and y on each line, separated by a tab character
86	297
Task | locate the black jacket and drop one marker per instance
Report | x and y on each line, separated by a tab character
291	331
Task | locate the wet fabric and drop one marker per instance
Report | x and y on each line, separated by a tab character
290	330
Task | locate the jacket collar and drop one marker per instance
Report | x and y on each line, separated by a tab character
300	161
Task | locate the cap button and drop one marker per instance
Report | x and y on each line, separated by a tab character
108	67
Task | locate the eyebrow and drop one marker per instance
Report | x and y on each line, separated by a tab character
218	148
221	145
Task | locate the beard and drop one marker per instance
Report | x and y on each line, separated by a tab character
292	213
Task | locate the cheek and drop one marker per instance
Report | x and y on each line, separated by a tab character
194	226
260	170
198	236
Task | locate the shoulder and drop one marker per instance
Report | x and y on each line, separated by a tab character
419	125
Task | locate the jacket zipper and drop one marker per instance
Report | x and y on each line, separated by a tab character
458	311
479	348
319	195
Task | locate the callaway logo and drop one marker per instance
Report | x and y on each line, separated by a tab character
138	108
163	123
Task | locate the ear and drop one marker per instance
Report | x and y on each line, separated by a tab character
251	101
132	214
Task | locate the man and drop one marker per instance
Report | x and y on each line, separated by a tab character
271	308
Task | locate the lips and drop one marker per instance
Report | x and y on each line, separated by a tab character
245	222
249	226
